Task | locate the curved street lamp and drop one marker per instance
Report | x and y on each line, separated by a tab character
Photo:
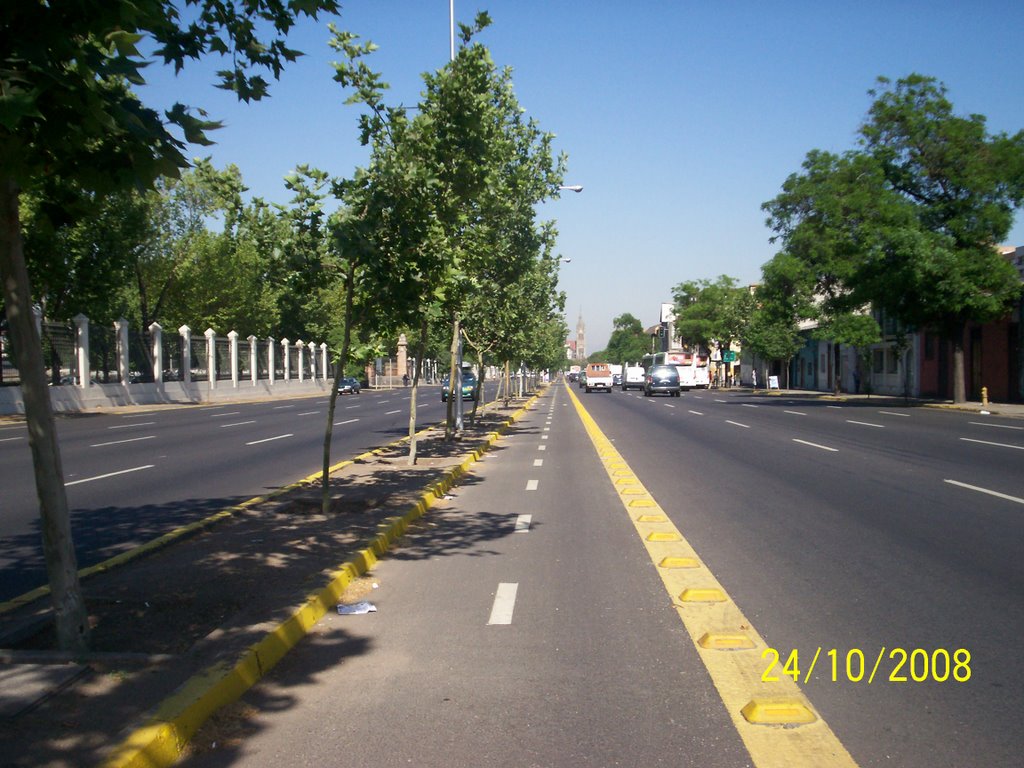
570	187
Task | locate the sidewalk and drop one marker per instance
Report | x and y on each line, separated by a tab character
993	409
185	630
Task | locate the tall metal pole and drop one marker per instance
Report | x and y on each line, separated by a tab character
451	24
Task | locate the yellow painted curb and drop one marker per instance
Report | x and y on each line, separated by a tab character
160	741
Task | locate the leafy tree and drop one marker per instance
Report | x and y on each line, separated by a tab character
628	341
782	299
712	313
910	221
67	111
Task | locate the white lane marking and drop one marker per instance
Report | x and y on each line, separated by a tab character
350	407
8	439
269	439
538	462
504	603
699	397
697	413
542	447
669	405
118	442
130	426
815	445
986	424
997	445
865	424
523	523
348	421
531	485
226	413
717	400
749	405
543	437
796	413
237	424
893	413
109	474
307	413
547	429
144	415
389	413
837	407
985	490
279	407
384	401
737	424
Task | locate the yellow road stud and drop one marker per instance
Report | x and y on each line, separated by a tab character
702	596
772	711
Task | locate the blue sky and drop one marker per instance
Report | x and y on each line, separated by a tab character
679	118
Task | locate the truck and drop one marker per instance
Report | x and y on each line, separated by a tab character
599	376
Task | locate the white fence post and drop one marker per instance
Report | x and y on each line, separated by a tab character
287	352
156	333
211	356
253	362
186	353
270	360
82	346
323	360
301	346
121	331
233	342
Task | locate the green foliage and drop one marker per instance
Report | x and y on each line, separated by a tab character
711	312
628	342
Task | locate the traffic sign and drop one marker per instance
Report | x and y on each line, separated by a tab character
728	356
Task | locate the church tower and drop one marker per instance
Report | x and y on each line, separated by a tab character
581	348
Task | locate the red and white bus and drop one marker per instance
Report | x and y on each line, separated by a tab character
693	368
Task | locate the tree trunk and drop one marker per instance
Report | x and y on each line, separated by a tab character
420	351
339	373
454	382
71	619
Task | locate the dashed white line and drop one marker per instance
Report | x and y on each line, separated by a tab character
347	421
531	485
226	413
9	439
237	424
668	405
837	407
279	407
719	400
985	490
893	413
542	447
749	405
132	426
307	413
390	413
737	424
523	523
796	413
997	445
109	474
538	462
118	442
697	413
270	439
865	424
815	445
986	424
504	603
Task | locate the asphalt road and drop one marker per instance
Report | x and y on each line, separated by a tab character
550	641
133	476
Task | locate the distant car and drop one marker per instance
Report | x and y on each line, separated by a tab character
662	379
349	386
616	379
468	386
581	380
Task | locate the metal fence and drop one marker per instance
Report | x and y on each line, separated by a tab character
103	354
8	371
59	353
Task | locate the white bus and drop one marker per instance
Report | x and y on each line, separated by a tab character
693	368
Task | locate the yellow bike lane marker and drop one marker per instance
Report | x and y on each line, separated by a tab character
777	723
